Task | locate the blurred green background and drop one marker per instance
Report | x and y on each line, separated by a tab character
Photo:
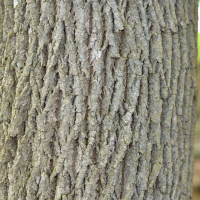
196	178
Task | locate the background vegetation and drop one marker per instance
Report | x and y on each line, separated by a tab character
196	179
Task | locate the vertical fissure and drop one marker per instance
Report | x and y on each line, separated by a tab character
123	176
91	71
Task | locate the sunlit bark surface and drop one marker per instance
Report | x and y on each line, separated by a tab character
97	99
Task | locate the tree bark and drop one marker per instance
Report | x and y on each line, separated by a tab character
97	99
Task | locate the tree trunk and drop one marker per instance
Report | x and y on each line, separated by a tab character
97	99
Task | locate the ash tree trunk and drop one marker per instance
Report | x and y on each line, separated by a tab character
97	99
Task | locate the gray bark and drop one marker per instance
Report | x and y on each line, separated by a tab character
97	99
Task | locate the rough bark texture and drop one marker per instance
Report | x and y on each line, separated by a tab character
97	99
